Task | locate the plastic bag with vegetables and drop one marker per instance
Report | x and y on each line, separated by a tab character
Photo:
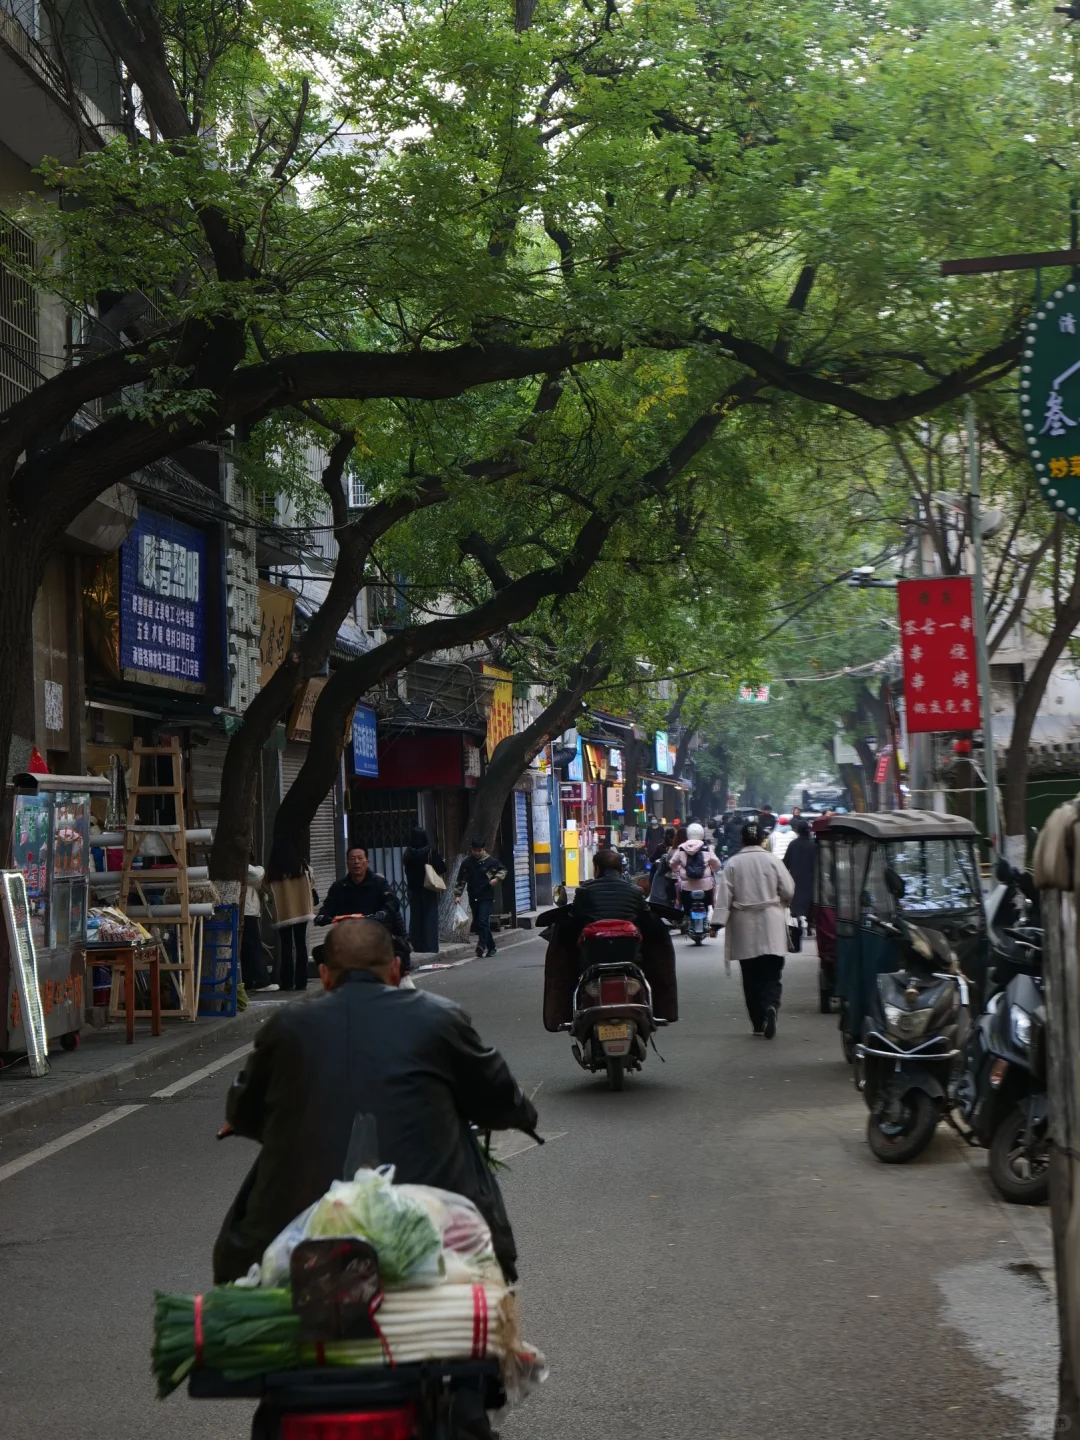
370	1205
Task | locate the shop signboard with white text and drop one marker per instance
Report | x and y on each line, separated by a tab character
163	603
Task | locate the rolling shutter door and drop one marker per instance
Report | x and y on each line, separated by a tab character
522	868
324	860
204	777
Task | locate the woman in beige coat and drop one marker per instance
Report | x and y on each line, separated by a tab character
754	891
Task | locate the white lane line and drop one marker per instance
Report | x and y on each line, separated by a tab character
517	1144
13	1167
197	1075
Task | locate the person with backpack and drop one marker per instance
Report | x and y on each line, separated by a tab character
694	865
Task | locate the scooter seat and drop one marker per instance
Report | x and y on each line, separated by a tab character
610	930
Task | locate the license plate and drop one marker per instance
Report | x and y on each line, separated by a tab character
613	1032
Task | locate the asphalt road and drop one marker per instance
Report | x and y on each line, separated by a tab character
712	1252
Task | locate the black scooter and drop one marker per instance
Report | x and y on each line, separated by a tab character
1001	1095
912	1040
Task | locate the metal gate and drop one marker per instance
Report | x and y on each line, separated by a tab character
382	821
522	867
324	856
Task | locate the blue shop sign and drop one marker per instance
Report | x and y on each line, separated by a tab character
365	744
163	601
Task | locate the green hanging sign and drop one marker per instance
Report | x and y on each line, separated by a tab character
1050	399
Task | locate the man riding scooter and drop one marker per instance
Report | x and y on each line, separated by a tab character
608	896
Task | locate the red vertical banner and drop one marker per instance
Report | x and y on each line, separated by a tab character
937	633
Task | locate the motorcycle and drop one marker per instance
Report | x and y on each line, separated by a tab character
1001	1096
697	916
613	1018
913	1038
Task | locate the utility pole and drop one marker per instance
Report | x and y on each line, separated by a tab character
989	765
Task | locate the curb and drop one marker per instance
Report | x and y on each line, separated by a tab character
90	1087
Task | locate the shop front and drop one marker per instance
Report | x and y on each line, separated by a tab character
424	778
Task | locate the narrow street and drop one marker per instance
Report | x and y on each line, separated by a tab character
712	1252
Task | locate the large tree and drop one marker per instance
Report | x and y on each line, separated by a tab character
410	200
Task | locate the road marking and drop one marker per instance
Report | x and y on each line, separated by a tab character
197	1075
13	1167
516	1144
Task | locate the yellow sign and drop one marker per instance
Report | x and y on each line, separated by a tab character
501	716
276	608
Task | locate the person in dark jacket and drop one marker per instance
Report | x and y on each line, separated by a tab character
766	818
801	860
655	841
607	897
361	891
410	1060
423	903
478	876
289	876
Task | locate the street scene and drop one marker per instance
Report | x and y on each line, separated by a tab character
540	706
717	1249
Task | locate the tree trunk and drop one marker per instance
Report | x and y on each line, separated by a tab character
1027	707
682	754
307	655
509	762
346	686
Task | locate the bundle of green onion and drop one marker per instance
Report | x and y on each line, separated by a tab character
242	1332
239	1332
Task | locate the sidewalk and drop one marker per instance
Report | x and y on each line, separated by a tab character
103	1062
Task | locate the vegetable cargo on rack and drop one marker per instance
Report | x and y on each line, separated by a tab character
445	1297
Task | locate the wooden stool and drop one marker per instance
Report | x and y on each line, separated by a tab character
128	958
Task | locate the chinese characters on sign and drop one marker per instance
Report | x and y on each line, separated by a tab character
753	695
1050	398
937	636
365	744
162	601
276	609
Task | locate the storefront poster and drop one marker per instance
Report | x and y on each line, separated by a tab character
32	841
664	763
365	744
576	769
277	607
501	716
163	603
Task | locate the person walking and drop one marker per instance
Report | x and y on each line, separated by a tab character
289	877
252	960
800	859
423	899
478	876
753	890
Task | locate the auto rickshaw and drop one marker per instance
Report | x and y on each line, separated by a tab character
935	856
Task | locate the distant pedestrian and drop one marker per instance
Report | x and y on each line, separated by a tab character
655	843
423	901
800	859
289	876
478	876
252	959
766	818
753	892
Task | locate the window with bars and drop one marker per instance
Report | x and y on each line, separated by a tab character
18	320
359	495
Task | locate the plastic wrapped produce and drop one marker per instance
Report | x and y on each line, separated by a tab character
399	1225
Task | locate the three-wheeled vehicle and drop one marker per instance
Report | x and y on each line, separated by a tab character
935	857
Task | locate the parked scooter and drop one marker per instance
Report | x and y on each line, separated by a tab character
913	1038
1002	1093
613	1014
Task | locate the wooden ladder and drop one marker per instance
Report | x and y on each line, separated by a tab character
184	969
